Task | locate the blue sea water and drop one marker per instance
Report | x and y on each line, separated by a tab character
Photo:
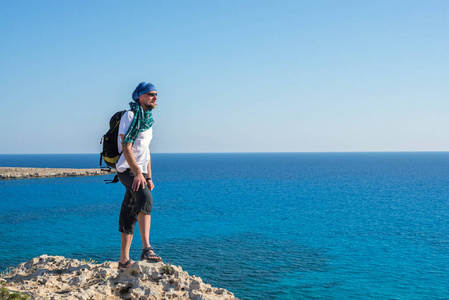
264	226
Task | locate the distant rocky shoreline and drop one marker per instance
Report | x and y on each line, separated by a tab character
57	278
20	173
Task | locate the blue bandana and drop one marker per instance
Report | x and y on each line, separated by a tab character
143	88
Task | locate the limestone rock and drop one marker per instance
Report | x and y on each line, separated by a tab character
57	277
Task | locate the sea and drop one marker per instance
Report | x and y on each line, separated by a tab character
262	225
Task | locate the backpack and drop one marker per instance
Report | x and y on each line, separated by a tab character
110	154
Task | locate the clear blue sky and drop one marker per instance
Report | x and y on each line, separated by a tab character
232	76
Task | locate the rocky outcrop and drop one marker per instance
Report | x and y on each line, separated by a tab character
18	173
57	277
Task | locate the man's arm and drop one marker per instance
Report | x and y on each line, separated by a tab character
150	181
139	180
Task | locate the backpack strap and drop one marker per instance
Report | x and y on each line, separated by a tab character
115	180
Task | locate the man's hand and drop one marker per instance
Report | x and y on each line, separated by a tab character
139	181
150	184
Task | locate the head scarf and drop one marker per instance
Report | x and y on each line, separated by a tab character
142	120
143	88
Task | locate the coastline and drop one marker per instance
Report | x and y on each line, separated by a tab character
23	173
57	277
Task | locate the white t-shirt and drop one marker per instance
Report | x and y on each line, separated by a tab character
140	148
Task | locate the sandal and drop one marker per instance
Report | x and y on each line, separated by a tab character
150	257
128	264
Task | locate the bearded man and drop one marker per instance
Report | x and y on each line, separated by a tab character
134	172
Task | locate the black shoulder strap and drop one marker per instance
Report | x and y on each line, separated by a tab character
115	180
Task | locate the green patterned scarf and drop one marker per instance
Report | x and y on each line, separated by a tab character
143	120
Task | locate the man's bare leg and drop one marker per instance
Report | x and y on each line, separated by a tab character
126	245
144	221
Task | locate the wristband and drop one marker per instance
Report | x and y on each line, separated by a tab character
149	178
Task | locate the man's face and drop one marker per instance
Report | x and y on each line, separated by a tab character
148	100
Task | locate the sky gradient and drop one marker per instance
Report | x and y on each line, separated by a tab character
232	76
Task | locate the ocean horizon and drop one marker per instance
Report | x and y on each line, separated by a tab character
313	225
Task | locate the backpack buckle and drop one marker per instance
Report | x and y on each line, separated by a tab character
106	169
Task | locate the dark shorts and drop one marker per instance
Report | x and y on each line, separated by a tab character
133	203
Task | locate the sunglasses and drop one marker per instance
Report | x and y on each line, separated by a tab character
152	94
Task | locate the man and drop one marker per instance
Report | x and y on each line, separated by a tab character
134	172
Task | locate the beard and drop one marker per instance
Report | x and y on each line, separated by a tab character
151	106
